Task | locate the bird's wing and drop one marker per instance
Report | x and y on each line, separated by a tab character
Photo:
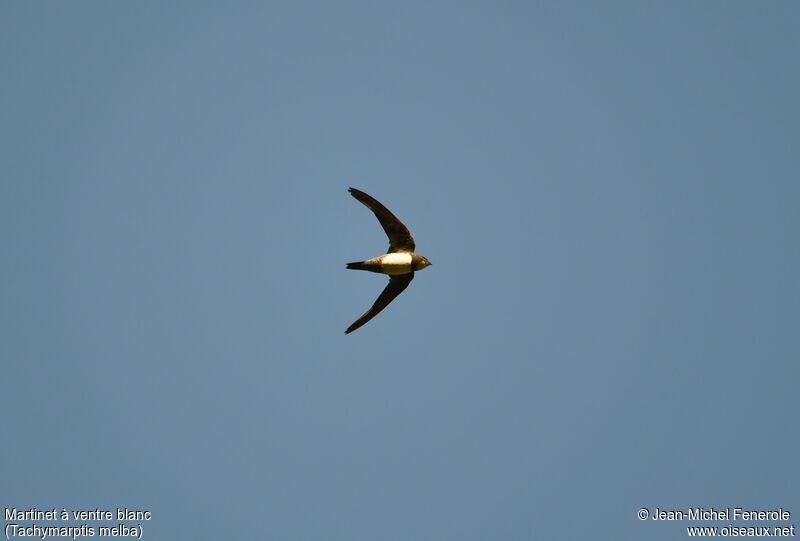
396	286
400	239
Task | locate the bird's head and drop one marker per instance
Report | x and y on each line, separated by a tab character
421	263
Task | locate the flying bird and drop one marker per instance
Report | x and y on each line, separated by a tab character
399	262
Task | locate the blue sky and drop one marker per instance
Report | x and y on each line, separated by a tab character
608	193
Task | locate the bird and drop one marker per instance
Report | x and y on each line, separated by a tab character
399	262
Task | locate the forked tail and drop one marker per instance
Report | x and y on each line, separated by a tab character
358	265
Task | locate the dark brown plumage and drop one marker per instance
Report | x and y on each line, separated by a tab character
399	262
400	239
395	286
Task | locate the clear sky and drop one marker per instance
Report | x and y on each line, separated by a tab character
609	194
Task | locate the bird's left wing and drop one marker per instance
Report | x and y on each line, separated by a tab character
397	285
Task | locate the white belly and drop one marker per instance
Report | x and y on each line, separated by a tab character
396	263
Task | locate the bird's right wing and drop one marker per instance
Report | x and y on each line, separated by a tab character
400	239
397	285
